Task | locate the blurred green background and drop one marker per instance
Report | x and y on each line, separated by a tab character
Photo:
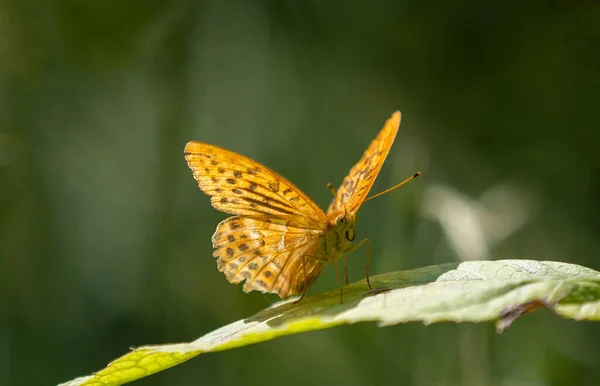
105	236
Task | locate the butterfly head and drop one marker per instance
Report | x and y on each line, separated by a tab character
345	224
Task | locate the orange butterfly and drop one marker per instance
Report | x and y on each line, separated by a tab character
279	241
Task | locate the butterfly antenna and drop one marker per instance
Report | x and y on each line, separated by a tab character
417	174
332	190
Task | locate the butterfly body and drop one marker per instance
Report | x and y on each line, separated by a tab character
279	241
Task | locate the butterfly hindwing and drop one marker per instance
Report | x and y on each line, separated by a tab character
270	256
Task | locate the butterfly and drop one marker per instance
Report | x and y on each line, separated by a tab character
279	241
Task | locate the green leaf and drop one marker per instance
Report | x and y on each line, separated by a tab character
475	291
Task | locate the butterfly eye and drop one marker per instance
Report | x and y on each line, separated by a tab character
348	235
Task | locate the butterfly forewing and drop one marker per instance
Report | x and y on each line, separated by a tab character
241	186
357	184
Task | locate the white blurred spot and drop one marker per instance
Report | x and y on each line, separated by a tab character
473	227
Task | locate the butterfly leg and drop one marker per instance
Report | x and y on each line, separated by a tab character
337	273
368	261
305	287
346	267
355	247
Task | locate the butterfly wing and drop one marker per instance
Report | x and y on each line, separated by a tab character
238	185
276	228
357	184
269	255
